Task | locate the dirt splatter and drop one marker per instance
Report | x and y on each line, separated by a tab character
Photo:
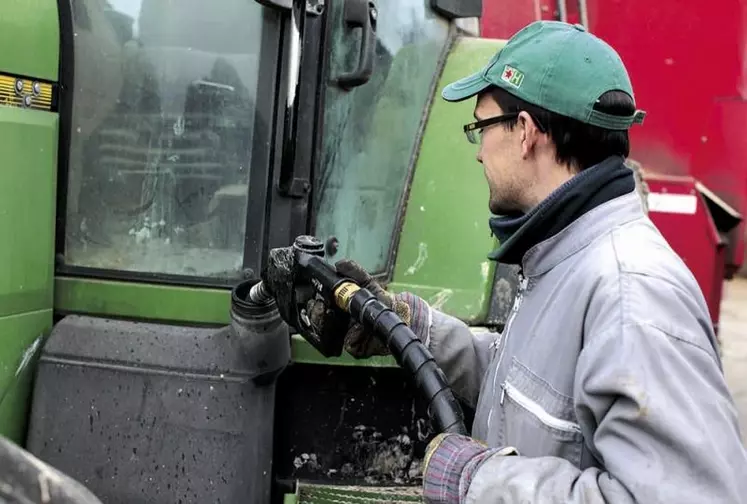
420	261
376	460
438	300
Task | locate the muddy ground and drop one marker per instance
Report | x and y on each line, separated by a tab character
733	334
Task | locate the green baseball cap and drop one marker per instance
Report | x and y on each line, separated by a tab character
559	67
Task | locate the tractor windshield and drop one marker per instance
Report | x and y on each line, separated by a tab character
164	135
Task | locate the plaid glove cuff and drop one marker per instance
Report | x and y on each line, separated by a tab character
420	316
474	464
451	462
445	467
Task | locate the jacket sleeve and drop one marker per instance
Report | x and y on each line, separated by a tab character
654	410
462	354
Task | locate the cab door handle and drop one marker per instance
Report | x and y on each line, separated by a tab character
361	14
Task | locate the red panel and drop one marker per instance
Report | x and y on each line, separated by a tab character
686	61
681	56
503	18
720	162
690	231
572	12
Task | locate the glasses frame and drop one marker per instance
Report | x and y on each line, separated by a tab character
471	128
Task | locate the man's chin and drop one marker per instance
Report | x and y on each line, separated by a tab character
501	208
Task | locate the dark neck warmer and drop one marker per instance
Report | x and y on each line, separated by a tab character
598	184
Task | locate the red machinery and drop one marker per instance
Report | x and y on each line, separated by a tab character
687	64
696	223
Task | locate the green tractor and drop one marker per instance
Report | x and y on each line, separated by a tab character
155	152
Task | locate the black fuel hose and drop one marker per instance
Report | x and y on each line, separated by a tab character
406	348
413	356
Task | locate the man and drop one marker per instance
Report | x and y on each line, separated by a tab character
606	384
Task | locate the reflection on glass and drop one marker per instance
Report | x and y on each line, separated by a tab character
163	119
370	132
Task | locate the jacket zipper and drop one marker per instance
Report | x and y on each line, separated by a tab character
523	281
514	309
537	410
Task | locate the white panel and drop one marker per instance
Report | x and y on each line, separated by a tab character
672	203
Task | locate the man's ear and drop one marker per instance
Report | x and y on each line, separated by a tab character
530	134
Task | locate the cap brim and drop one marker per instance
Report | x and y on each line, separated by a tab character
465	88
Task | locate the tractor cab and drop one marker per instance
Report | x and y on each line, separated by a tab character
156	151
194	126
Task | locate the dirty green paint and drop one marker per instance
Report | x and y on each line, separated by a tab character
175	304
142	301
28	149
445	241
179	305
27	215
30	38
17	336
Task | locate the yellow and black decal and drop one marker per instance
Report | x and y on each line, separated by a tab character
27	93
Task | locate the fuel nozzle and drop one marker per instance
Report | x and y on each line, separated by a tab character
281	274
299	279
307	244
302	281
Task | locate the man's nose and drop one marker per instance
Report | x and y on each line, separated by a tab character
479	156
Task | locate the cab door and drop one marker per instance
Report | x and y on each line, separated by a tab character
383	57
379	64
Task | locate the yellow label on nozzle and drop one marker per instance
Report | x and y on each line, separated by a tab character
344	293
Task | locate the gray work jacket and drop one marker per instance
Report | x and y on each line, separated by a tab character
606	379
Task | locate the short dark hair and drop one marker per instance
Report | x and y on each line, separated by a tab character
577	144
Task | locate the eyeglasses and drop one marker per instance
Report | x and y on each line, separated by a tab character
474	130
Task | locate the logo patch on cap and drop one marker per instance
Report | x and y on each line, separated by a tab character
512	76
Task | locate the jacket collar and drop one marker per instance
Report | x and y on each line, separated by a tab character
597	222
598	184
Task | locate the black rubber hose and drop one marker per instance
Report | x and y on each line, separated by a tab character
412	355
409	352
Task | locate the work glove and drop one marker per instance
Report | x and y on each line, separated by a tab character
362	344
450	462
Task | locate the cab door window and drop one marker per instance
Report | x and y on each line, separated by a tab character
371	131
168	136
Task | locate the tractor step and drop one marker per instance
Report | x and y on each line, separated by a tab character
307	493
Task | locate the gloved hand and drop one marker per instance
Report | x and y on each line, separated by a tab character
449	464
411	309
